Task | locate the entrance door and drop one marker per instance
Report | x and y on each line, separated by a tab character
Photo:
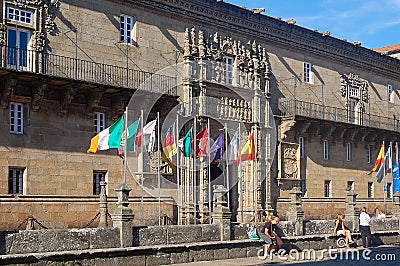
17	49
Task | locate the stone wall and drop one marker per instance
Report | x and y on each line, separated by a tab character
36	241
169	235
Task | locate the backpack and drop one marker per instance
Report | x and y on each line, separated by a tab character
252	232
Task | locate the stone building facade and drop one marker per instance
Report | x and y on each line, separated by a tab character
325	104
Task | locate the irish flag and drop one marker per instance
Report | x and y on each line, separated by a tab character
109	138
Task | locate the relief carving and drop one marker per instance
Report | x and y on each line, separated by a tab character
250	60
3	30
7	91
38	95
67	98
289	160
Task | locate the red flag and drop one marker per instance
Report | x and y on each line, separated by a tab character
138	140
202	148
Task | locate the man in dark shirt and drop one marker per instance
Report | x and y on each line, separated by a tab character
269	235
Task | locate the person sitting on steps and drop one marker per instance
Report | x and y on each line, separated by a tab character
340	229
269	235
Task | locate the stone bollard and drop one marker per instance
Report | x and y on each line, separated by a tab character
295	213
123	216
352	213
221	213
396	205
30	224
103	206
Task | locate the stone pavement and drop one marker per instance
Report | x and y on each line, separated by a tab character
382	255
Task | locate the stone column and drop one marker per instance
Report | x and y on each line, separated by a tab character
295	213
352	213
103	205
123	216
221	214
396	206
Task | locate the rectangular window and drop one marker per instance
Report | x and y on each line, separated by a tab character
327	188
326	150
390	93
349	153
389	190
301	145
354	92
15	180
17	49
350	185
126	29
307	72
19	15
99	122
303	188
98	176
16	118
370	189
369	154
228	70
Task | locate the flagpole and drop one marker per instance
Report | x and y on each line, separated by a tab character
158	169
226	163
142	175
178	177
240	175
209	171
194	172
254	176
125	142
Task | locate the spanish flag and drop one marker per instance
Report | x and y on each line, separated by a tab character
168	145
248	151
379	161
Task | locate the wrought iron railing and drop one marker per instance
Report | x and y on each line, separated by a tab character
330	113
85	70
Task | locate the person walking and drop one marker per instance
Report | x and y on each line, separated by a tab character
365	228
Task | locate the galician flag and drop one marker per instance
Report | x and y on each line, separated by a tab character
109	138
232	152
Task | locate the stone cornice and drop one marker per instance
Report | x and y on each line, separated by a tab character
261	27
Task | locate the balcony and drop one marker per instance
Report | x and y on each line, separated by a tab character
340	115
60	66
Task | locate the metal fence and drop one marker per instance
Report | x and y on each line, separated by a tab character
85	70
323	112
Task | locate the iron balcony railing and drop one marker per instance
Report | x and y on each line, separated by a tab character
85	70
342	115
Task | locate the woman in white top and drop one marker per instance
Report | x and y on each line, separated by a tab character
365	228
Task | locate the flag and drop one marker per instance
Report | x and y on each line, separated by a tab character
217	147
131	136
185	143
396	179
168	161
168	145
379	160
384	168
148	137
232	152
202	148
109	138
248	152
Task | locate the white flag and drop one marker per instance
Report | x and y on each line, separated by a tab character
149	135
